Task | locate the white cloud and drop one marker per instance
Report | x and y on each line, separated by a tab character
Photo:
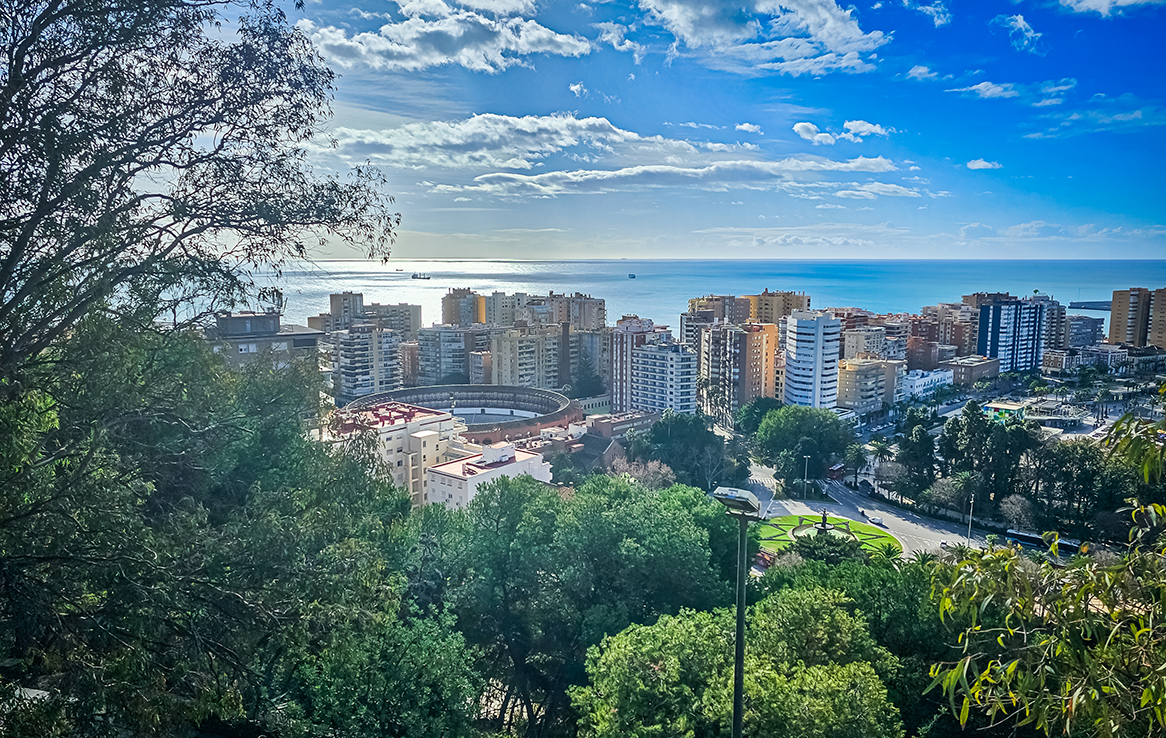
1022	35
614	34
829	206
464	38
982	164
990	89
871	190
1064	85
755	36
921	72
749	127
1034	229
862	128
497	7
810	132
718	176
975	230
578	89
1104	7
938	13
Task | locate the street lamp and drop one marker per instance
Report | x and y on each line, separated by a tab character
805	476
971	509
743	506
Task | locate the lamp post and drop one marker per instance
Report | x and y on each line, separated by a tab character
805	476
971	509
743	506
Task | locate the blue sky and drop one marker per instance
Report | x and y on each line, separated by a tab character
756	128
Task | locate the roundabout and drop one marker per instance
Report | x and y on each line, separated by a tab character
779	533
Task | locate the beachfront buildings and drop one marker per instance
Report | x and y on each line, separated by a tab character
1085	330
542	358
919	384
770	307
455	483
811	359
664	377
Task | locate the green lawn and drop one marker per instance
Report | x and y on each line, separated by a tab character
776	534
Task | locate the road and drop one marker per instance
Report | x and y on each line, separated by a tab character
915	532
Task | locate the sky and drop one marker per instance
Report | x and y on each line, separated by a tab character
516	129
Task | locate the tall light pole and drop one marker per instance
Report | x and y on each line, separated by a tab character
743	506
971	509
805	476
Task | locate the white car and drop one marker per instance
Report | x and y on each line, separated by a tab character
876	521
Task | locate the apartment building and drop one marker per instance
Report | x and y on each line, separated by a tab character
1013	331
456	483
410	363
692	323
443	352
630	332
1157	330
811	359
461	307
1056	329
402	318
862	385
242	337
1085	330
725	308
920	384
770	307
866	342
737	363
967	370
365	359
664	377
410	439
532	357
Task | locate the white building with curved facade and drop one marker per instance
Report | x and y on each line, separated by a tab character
811	359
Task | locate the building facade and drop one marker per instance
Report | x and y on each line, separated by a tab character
1085	330
664	377
1013	331
811	359
365	359
461	306
967	370
862	385
456	483
630	332
737	365
770	307
242	337
919	384
1129	316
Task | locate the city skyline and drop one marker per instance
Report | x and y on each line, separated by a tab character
667	128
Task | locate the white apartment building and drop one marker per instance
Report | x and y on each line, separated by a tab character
811	359
866	342
664	378
921	384
455	483
533	358
365	359
630	332
862	385
410	440
502	309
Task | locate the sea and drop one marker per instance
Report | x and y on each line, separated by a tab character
661	288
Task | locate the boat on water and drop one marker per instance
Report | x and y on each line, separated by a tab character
419	275
400	270
631	276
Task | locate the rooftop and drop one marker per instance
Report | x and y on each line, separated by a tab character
470	466
385	415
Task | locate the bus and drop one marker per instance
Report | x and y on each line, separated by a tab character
837	471
1029	539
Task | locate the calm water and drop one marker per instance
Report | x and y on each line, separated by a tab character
661	289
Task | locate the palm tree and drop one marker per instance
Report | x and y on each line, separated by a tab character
856	458
880	451
965	484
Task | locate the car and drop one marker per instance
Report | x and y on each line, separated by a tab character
865	485
876	521
943	544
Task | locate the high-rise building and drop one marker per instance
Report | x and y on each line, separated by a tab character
867	342
1129	316
691	324
1085	330
770	307
345	308
737	363
630	332
534	357
1056	322
811	359
365	360
664	378
726	308
1013	331
410	363
1157	332
862	385
461	306
922	354
403	318
500	308
444	351
851	317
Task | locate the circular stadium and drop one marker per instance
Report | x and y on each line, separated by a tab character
492	413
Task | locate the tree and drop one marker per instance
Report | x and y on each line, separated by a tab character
1076	650
917	455
585	381
828	548
856	459
807	431
1017	510
649	474
687	445
811	670
149	157
749	416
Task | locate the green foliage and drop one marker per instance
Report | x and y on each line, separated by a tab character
749	416
917	455
1079	650
585	380
803	431
811	670
697	455
856	459
828	548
